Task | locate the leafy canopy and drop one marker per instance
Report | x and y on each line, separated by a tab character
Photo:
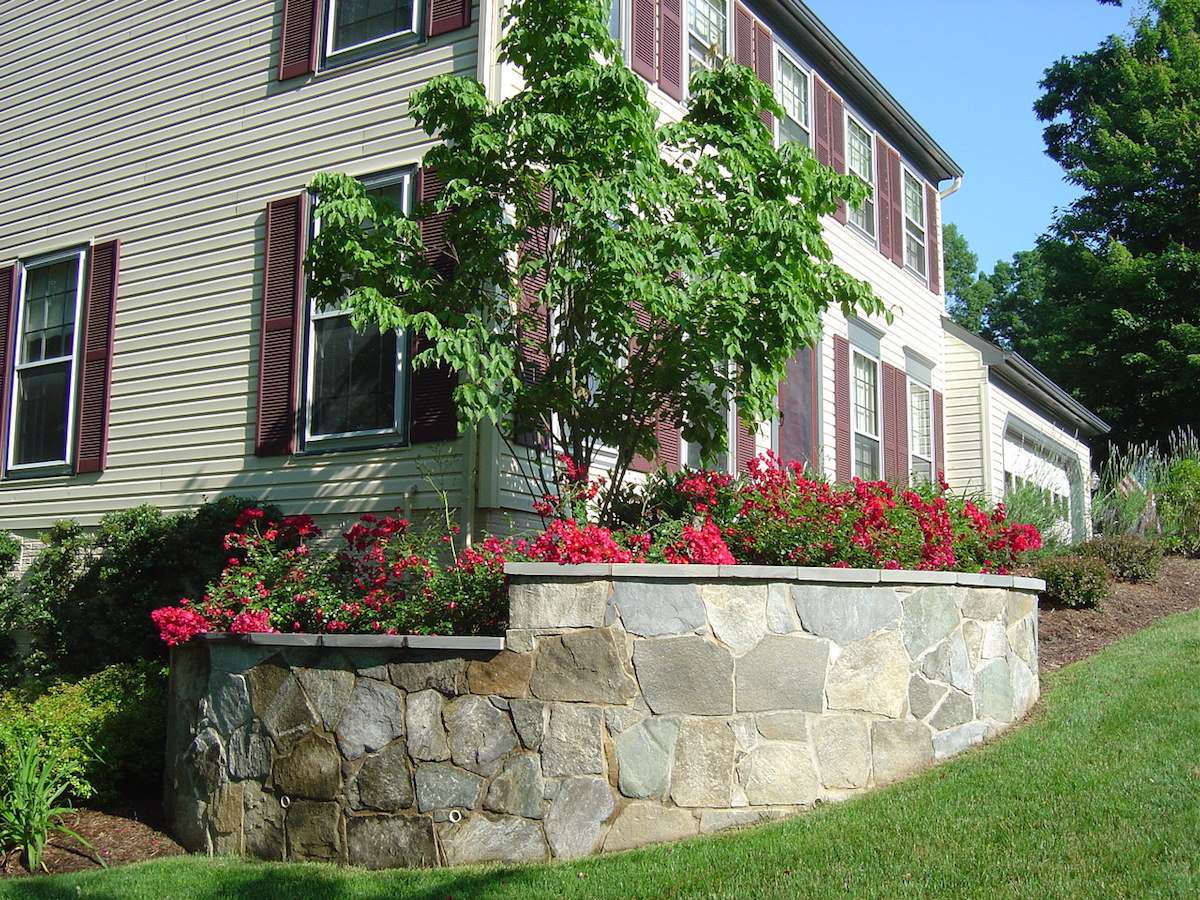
680	265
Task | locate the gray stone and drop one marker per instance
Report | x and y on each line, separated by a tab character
446	675
583	666
924	695
956	740
702	774
313	832
206	762
845	614
658	608
480	734
745	731
481	838
557	602
521	640
226	816
518	789
573	744
949	662
384	781
1018	605
530	718
262	823
843	750
506	674
575	822
871	675
984	603
779	773
737	613
280	704
249	753
713	820
190	671
1024	685
781	611
956	709
685	675
390	842
930	614
228	702
644	822
783	672
423	724
328	691
622	718
312	770
644	755
899	749
789	725
445	787
373	718
231	657
993	691
1023	640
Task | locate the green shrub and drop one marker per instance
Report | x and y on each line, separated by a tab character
110	727
1075	581
1128	557
1033	504
1179	506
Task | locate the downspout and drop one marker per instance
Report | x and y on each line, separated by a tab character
953	189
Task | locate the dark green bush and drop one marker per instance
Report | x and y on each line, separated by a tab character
1128	557
1179	506
1075	581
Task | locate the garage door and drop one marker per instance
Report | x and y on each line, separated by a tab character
1028	461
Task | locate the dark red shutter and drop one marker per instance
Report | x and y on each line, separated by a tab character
298	33
764	63
533	332
91	446
645	38
669	444
933	239
798	403
837	145
283	294
8	315
897	185
743	37
821	129
432	415
895	425
901	386
447	15
883	196
939	437
745	445
841	407
670	48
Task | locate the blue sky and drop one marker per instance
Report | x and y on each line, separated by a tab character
968	71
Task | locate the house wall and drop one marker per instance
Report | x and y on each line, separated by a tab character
966	398
162	124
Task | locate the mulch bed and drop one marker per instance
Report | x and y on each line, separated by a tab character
118	840
1067	635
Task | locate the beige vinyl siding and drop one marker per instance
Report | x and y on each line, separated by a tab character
162	124
966	386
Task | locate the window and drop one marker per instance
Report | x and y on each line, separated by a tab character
792	87
356	380
47	343
725	459
866	416
914	224
707	26
860	157
920	430
353	25
616	22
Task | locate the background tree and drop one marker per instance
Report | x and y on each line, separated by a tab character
968	291
606	272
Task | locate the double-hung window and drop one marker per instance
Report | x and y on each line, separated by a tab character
860	157
355	28
357	389
44	401
725	457
920	430
914	224
791	86
865	371
707	26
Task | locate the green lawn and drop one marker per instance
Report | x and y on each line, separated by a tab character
1099	796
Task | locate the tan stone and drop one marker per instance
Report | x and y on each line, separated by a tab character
899	749
644	822
583	667
506	674
737	613
779	773
843	749
557	603
871	675
702	774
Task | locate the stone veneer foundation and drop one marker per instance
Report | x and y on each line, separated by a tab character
627	704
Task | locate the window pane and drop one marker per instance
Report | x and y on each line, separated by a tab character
914	249
791	132
921	408
866	396
614	22
866	457
706	31
43	395
859	153
914	201
354	378
48	318
922	470
793	92
359	21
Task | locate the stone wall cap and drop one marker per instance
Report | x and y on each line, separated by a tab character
664	570
1028	584
362	641
984	579
907	576
541	569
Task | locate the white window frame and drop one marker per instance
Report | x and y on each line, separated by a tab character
330	18
905	174
620	10
782	56
687	38
871	236
367	437
730	443
932	458
81	255
854	429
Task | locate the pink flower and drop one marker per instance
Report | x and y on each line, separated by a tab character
178	624
251	623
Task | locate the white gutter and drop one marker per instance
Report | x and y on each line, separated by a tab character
953	189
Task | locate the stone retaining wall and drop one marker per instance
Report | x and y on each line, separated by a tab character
626	705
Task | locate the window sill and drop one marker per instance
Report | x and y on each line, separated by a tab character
914	274
325	447
51	470
352	60
863	234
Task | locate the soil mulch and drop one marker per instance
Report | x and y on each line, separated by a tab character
1066	635
118	840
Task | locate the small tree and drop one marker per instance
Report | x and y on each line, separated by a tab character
607	272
